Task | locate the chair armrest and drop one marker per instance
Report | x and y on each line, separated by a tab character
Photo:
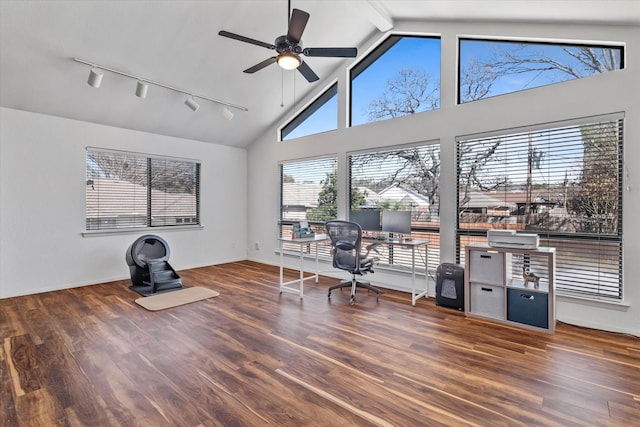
372	247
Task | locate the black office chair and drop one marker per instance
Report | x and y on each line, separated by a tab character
346	242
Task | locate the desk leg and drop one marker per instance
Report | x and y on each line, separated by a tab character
413	275
281	268
425	292
426	271
301	270
317	265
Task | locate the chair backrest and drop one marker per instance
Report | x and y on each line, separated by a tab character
346	239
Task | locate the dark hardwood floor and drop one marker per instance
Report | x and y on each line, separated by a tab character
253	357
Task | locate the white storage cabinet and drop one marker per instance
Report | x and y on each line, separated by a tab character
495	289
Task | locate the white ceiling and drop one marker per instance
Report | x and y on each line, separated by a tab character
177	43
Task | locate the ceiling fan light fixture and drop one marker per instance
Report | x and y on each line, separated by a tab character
288	60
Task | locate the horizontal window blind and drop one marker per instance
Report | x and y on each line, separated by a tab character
131	190
308	192
563	183
406	178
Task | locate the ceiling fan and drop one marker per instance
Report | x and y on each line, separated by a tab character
289	47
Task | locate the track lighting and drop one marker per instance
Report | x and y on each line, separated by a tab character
141	89
191	103
288	60
96	74
227	113
95	78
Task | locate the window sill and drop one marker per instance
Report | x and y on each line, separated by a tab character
147	230
604	303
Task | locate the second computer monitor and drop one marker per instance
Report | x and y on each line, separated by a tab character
396	222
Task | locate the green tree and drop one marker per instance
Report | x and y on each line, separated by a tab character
327	200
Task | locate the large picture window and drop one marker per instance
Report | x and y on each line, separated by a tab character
131	190
399	77
403	178
495	67
563	183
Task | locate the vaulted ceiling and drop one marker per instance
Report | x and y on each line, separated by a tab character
177	43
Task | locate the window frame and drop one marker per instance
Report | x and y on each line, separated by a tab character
565	239
308	111
377	51
419	232
531	41
285	226
149	188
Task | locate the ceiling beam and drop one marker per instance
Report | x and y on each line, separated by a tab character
375	12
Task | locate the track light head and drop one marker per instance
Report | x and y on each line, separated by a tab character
191	103
141	89
226	112
97	72
95	78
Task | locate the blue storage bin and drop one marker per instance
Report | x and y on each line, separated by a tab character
528	307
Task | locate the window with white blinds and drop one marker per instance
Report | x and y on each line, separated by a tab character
308	192
563	183
131	190
403	178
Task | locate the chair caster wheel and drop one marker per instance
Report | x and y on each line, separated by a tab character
352	300
329	295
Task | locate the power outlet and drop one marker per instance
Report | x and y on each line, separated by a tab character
257	246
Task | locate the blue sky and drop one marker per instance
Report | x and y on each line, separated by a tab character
423	53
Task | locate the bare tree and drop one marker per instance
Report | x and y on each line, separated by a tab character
477	78
408	92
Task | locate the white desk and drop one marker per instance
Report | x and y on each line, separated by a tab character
285	286
413	244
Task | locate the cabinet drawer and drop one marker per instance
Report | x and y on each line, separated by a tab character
487	300
528	307
486	267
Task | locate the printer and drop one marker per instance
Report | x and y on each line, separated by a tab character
511	239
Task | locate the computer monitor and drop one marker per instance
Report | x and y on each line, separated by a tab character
396	222
369	219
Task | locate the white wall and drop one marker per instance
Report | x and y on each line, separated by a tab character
42	199
607	93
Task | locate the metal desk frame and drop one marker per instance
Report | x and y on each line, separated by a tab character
285	286
413	244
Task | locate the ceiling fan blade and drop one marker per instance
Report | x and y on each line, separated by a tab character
338	52
245	39
297	23
307	72
259	66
